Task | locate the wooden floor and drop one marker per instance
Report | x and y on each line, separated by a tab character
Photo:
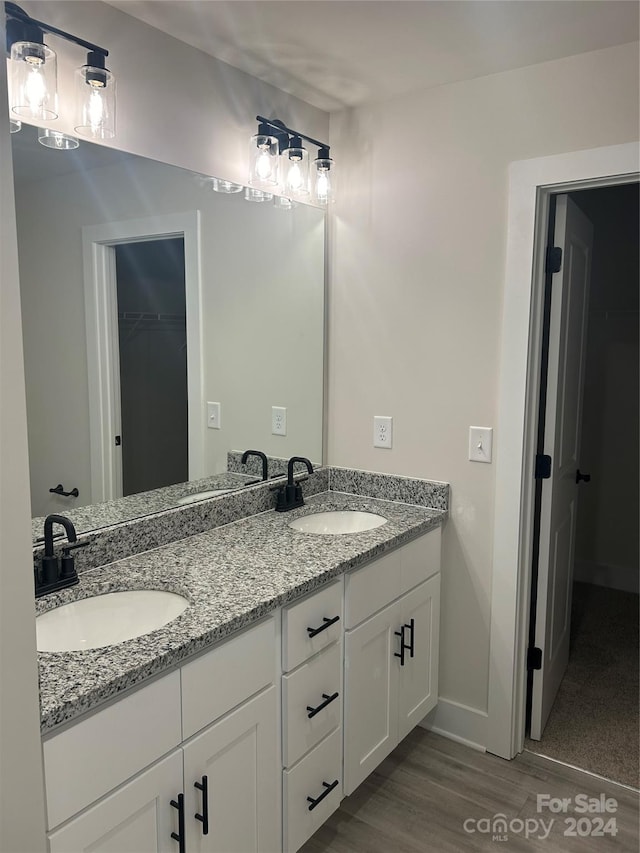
429	789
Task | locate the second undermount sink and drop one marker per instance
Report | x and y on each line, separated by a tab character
201	496
338	522
104	620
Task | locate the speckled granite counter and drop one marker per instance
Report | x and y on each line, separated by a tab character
232	576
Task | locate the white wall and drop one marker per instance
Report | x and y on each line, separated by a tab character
262	315
417	281
608	511
21	795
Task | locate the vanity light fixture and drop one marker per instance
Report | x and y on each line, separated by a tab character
33	77
278	159
54	139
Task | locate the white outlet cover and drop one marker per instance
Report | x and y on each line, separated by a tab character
214	416
480	444
383	431
278	420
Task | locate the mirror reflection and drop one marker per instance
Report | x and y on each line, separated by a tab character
164	325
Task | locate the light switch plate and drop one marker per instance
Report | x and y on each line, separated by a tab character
480	444
214	416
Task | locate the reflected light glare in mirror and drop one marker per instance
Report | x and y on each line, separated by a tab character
56	140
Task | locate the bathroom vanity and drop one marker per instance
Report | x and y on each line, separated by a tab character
301	662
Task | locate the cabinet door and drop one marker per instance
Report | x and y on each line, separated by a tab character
371	683
418	688
136	817
239	757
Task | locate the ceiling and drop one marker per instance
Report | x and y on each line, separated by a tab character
337	53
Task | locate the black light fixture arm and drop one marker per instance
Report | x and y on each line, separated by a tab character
281	128
15	13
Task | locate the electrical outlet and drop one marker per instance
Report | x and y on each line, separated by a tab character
382	431
278	420
214	416
480	444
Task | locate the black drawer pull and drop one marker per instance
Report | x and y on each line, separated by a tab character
411	626
328	788
204	817
311	712
326	624
179	836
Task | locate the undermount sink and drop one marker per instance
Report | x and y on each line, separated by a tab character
338	522
201	496
104	620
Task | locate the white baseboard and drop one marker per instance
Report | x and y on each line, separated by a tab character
613	577
458	722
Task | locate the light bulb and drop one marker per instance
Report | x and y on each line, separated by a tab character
263	165
294	177
32	81
323	187
96	109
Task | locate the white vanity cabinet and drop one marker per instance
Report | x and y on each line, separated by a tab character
391	652
217	789
311	713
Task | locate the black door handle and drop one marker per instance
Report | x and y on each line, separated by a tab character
204	817
311	712
179	836
403	645
581	476
411	626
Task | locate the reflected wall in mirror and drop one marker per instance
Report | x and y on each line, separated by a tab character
228	309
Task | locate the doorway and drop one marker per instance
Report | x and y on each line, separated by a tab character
531	182
593	709
152	346
100	244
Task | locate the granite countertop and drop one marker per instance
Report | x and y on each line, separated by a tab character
231	575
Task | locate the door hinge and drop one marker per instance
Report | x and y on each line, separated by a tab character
534	658
553	260
543	466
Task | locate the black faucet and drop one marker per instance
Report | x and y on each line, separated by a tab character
290	496
260	455
57	574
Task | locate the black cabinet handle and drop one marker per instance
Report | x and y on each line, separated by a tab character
409	647
179	836
580	476
403	646
204	817
328	788
311	712
326	624
411	626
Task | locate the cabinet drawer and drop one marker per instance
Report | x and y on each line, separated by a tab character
377	584
312	777
219	680
419	560
311	613
311	685
92	757
371	588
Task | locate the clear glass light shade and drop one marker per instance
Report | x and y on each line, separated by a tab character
54	139
220	186
33	81
295	165
95	102
14	125
324	180
283	203
263	161
253	194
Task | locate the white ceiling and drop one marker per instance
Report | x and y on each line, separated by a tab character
336	53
